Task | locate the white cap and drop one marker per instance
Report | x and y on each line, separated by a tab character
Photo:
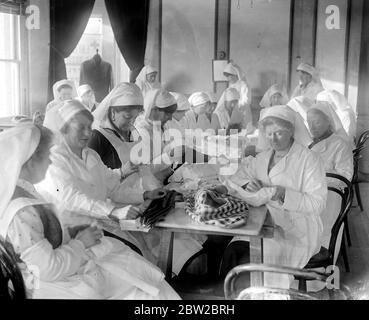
199	98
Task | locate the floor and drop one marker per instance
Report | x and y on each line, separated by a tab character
356	281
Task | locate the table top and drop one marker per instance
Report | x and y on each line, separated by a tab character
179	221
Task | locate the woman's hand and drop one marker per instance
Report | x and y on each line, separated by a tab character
90	236
254	186
279	194
125	213
128	169
155	194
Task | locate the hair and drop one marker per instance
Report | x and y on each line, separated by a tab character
44	145
64	86
85	113
171	109
280	122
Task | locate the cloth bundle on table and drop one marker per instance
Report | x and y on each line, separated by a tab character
210	206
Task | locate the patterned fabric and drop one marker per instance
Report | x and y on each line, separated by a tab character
210	206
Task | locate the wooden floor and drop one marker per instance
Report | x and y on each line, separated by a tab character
357	280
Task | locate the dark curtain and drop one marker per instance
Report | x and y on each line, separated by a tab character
129	20
68	20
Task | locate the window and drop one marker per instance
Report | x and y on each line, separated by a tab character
90	42
10	63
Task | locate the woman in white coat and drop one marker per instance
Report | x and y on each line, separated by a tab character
290	180
148	79
57	262
275	96
330	142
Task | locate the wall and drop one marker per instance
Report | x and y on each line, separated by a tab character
187	45
38	48
258	46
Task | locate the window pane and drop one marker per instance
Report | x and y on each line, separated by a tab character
9	38
9	89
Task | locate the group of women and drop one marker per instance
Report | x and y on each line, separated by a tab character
88	165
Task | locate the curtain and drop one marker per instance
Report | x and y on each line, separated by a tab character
129	20
68	20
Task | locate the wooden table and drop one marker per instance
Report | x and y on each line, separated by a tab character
258	226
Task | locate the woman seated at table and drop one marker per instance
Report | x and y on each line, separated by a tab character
326	130
62	263
228	115
275	96
290	180
80	185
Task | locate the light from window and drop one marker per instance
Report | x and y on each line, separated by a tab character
9	65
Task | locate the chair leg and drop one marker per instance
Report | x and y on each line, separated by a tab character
302	285
346	231
358	196
344	255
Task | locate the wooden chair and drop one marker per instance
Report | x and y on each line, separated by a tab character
325	257
266	293
11	280
357	156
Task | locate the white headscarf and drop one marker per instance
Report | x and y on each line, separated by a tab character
308	68
336	124
142	82
157	98
301	105
236	70
336	99
182	102
198	98
16	147
229	94
124	94
301	133
275	88
60	83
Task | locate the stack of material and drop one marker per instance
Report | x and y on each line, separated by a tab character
158	209
211	206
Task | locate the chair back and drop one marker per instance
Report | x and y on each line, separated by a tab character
360	145
269	293
347	198
11	280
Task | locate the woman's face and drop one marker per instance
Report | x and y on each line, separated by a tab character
231	78
276	99
305	78
151	77
125	117
278	137
202	108
79	132
66	94
318	123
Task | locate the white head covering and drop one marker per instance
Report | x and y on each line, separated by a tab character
336	99
124	94
60	83
301	105
301	134
142	82
236	70
275	88
157	98
17	146
198	98
308	68
336	124
69	109
182	101
83	89
229	94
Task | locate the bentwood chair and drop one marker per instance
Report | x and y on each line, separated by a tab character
326	257
11	281
360	146
266	293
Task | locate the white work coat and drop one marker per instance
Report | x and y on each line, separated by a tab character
298	223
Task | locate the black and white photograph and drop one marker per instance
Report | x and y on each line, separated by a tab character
195	153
